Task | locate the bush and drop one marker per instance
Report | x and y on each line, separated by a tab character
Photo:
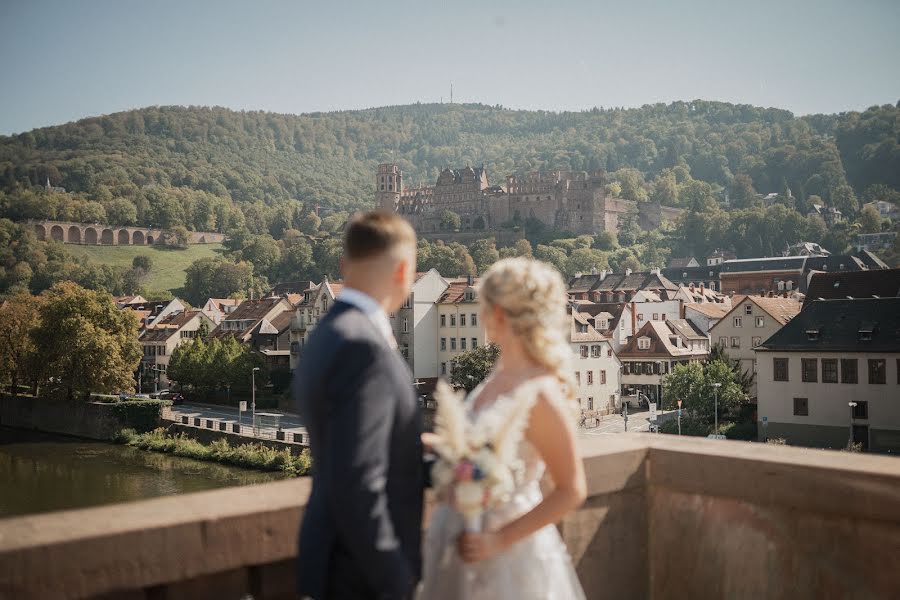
739	431
250	456
138	414
690	425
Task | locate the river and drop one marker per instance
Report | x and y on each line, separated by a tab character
44	472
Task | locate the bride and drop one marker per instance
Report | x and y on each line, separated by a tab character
519	554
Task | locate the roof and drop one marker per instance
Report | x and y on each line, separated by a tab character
780	309
872	261
853	284
625	282
252	310
661	345
837	326
609	310
681	262
456	291
832	263
688	274
686	329
575	333
778	263
713	310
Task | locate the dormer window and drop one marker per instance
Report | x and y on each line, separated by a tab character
812	334
582	328
603	325
643	343
865	332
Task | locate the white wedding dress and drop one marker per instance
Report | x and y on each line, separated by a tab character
537	567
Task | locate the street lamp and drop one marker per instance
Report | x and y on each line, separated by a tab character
679	417
253	397
852	405
716	387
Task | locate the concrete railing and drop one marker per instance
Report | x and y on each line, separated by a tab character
666	517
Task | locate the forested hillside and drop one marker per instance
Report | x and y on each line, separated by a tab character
281	186
187	165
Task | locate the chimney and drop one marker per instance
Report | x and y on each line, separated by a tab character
594	270
654	271
603	274
692	286
469	280
701	287
627	272
578	275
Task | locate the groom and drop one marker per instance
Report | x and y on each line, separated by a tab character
361	530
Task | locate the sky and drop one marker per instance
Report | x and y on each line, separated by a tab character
65	60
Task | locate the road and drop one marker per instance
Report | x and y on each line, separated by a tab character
289	421
610	424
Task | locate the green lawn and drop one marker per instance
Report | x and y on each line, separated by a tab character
168	265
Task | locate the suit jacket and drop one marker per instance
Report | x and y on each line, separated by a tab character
361	530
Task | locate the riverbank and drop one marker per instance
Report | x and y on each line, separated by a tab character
250	456
43	472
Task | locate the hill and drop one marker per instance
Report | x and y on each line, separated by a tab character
195	166
169	265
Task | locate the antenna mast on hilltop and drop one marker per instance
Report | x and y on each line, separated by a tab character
451	92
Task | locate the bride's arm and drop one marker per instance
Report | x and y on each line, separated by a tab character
551	432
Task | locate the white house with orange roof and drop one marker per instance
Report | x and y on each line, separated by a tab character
596	366
314	304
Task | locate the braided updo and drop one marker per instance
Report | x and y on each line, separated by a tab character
533	296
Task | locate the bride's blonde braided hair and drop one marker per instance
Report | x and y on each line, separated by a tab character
533	296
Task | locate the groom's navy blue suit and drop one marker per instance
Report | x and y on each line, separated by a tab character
361	531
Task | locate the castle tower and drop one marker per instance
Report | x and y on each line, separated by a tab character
388	185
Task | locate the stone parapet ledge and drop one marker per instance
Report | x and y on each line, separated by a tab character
666	517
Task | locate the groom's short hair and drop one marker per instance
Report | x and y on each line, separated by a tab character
372	234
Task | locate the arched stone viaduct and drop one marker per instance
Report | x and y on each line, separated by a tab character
108	235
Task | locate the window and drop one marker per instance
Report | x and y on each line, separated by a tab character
453	343
861	410
760	321
810	369
644	343
849	370
609	352
405	325
780	368
640	317
443	320
603	377
829	370
452	320
656	316
663	316
755	341
474	319
584	352
590	378
408	302
748	309
474	343
443	343
590	403
723	341
735	341
595	351
462	343
877	370
578	378
462	320
443	368
801	407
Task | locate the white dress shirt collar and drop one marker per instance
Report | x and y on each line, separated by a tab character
369	307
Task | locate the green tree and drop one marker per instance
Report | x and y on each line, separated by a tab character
86	344
142	262
552	255
693	384
216	278
450	220
310	223
484	253
120	211
869	219
19	360
91	212
473	366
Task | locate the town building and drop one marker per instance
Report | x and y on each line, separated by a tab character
875	241
761	276
128	301
152	313
563	200
416	328
243	322
680	263
832	370
272	339
459	324
597	368
218	308
853	284
308	310
827	214
886	210
751	321
158	344
653	352
615	320
706	276
704	315
604	286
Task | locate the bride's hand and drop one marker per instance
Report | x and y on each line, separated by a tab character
475	547
430	440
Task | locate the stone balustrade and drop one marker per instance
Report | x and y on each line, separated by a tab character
666	517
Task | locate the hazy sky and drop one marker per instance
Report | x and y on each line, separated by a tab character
63	60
